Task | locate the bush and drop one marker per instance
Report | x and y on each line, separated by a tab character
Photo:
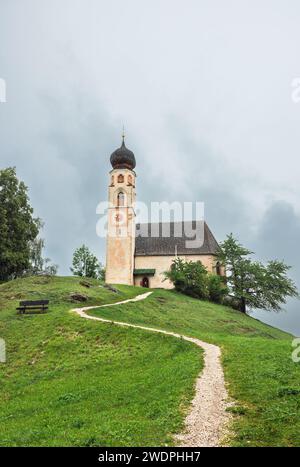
189	277
217	288
192	278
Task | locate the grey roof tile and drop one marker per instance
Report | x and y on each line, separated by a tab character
175	238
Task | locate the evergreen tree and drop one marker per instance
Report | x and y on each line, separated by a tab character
85	264
254	284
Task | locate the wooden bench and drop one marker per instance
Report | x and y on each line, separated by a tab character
33	305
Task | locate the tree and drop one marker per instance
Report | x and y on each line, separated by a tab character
254	284
38	264
18	227
189	277
85	264
192	278
217	288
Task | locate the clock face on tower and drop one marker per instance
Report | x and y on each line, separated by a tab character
120	219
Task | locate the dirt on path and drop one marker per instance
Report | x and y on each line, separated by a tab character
206	423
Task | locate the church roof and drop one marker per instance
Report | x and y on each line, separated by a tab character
180	240
122	158
141	272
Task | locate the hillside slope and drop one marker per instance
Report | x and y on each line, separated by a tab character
71	382
262	378
74	382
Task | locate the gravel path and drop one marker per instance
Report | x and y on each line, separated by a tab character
206	423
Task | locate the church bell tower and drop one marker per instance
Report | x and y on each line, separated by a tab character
121	218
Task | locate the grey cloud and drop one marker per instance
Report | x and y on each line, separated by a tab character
205	102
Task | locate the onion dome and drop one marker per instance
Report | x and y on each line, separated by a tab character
122	158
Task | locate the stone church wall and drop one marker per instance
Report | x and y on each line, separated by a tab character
162	264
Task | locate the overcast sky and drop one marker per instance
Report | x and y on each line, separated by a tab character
204	91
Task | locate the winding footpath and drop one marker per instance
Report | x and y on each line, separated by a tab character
206	424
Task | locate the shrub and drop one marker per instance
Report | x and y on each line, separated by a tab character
217	288
189	277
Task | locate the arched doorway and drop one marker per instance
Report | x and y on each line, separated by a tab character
145	282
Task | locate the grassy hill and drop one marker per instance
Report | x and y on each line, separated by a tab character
261	376
70	381
73	382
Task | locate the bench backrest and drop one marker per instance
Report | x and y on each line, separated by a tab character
34	302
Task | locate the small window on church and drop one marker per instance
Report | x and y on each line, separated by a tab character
120	178
112	180
218	268
121	199
129	180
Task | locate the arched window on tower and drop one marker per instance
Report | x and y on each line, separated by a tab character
129	179
218	268
112	180
121	199
120	178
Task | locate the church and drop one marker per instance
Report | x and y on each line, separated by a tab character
134	256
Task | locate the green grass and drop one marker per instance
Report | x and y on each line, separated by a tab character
262	378
75	382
